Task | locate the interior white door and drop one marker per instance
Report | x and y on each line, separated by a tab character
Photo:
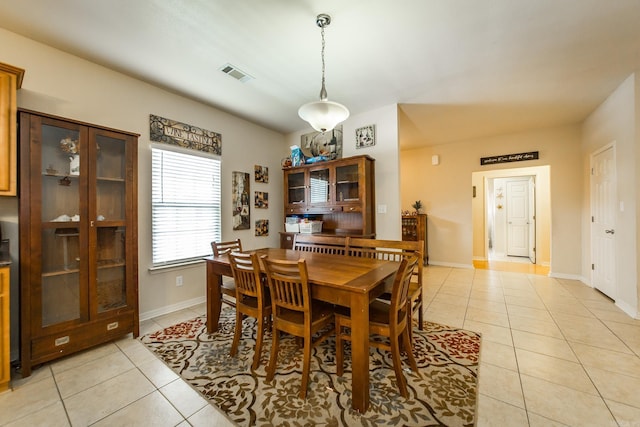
603	216
532	219
517	201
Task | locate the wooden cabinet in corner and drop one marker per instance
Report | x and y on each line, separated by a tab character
10	82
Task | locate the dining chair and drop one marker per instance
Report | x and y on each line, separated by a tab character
294	312
252	299
228	288
334	245
389	320
395	250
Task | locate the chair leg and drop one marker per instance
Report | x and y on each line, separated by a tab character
410	320
420	315
306	365
259	338
339	348
397	367
271	369
407	345
237	333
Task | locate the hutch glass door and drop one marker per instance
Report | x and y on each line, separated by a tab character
107	218
61	241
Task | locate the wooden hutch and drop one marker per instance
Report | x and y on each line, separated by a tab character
340	193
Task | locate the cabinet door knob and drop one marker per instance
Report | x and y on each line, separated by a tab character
92	223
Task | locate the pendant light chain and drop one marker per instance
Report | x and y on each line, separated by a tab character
323	115
323	91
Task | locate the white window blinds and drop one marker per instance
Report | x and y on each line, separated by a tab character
185	206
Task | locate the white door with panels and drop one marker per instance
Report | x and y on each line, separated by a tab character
517	199
603	220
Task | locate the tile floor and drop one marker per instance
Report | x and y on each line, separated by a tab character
554	353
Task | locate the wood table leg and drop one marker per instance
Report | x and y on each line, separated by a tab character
360	351
214	299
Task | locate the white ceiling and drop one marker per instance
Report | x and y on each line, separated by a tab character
458	69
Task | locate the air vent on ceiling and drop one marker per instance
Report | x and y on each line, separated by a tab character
235	73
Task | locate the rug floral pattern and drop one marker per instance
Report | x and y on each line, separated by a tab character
443	395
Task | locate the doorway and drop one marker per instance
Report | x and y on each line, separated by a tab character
526	203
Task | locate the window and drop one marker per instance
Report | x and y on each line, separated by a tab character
185	206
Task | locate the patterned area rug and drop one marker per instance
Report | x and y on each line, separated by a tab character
444	394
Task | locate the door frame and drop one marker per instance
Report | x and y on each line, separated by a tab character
479	180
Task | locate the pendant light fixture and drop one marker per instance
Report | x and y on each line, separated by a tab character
323	115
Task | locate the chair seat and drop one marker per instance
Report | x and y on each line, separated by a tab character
252	302
378	313
228	288
320	311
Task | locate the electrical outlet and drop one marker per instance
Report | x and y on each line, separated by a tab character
178	280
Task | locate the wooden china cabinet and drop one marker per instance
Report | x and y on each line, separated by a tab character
78	236
340	193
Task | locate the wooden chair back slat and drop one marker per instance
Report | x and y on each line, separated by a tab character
220	248
334	245
246	274
288	281
400	290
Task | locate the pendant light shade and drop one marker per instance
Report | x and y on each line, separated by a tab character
323	115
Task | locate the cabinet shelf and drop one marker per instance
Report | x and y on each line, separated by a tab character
110	179
60	272
110	264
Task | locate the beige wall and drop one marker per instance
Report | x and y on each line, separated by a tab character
446	191
64	85
616	121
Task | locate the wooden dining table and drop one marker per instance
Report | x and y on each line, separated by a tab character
338	279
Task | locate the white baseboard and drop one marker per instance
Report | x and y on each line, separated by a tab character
449	264
631	311
566	276
171	308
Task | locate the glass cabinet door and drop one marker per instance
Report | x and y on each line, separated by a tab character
347	183
319	186
61	255
295	189
107	219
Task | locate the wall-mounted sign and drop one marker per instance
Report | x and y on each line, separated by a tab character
184	135
506	158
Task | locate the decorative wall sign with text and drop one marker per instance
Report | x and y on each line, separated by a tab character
183	135
506	158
